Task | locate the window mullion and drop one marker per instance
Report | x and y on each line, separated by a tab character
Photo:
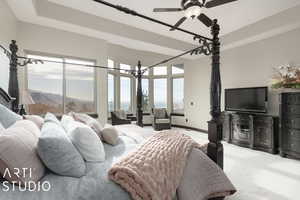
64	85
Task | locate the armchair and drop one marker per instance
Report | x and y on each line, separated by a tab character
161	119
119	117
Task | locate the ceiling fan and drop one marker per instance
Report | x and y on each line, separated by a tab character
193	9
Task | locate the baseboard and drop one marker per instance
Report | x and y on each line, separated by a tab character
185	127
191	128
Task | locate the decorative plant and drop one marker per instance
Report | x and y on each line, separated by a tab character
286	77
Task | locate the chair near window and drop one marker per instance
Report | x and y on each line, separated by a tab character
161	119
119	117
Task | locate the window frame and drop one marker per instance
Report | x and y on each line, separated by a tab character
172	91
114	92
176	76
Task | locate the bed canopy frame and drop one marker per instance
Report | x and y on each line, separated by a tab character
207	46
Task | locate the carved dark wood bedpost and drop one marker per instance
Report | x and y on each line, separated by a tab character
13	88
139	96
215	147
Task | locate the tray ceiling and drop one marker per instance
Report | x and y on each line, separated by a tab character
140	34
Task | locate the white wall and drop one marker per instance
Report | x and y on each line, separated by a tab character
246	66
131	56
8	24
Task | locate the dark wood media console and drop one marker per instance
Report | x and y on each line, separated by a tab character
251	130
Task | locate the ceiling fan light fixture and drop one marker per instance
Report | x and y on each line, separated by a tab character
193	11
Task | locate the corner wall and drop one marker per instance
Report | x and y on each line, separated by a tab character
246	66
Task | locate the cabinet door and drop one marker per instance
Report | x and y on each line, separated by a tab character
263	132
292	98
242	127
226	127
293	110
290	144
263	137
292	122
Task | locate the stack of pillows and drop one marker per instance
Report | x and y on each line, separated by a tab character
38	143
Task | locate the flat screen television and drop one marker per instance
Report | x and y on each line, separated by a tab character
246	99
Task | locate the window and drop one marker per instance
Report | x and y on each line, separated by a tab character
146	98
156	82
178	95
142	68
80	82
111	93
160	93
160	71
110	63
61	87
125	93
177	69
45	86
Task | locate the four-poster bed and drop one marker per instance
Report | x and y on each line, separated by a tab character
207	46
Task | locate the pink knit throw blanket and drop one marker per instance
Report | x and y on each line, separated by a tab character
154	171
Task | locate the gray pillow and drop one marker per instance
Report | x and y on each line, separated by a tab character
8	117
57	151
160	113
121	114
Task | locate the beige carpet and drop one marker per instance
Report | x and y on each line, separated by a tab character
258	175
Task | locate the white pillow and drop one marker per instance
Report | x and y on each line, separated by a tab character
67	121
85	140
110	135
89	121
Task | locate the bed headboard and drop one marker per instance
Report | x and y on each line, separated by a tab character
5	99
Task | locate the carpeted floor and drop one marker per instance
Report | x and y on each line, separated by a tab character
258	175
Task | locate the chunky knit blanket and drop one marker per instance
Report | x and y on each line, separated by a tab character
154	171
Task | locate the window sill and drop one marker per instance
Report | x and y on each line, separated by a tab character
177	114
93	115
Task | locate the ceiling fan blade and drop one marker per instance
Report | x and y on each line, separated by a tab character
215	3
205	20
178	23
167	9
